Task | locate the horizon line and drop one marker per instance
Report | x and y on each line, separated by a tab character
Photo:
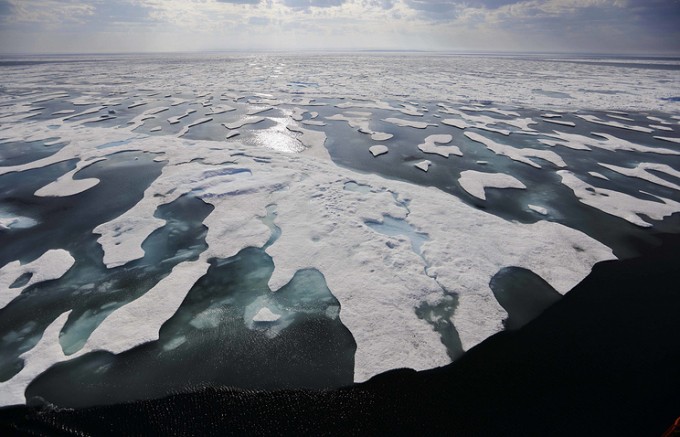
664	55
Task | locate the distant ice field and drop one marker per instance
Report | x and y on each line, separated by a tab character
287	221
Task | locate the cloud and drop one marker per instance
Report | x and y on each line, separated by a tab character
258	21
435	10
307	4
523	25
240	2
6	8
47	11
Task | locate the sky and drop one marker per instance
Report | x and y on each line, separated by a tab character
109	26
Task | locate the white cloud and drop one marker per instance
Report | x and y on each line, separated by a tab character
340	24
50	11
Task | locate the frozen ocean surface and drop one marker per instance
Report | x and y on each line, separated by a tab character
308	220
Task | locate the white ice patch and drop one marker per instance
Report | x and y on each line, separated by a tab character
485	122
9	221
539	209
242	122
36	361
598	175
423	165
431	146
265	315
669	139
475	182
175	120
360	121
220	109
661	127
641	171
408	123
597	120
140	320
619	204
66	185
404	108
53	264
378	150
605	142
313	140
560	122
519	155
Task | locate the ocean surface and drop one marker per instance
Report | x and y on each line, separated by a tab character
274	221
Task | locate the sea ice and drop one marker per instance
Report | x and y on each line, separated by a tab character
607	142
53	264
408	123
641	171
619	204
265	315
560	122
242	122
431	146
423	165
538	209
66	185
360	121
597	120
669	139
598	175
378	149
140	320
519	155
475	182
36	361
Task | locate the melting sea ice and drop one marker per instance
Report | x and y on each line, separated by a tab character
161	230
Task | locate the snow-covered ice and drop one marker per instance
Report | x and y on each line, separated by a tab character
475	182
431	145
329	216
516	154
52	264
378	150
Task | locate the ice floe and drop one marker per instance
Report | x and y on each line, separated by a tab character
598	175
408	123
596	120
431	145
603	141
519	155
619	204
53	264
265	315
475	182
176	119
36	361
140	320
378	150
360	121
242	122
641	171
539	209
669	139
66	185
423	165
560	122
